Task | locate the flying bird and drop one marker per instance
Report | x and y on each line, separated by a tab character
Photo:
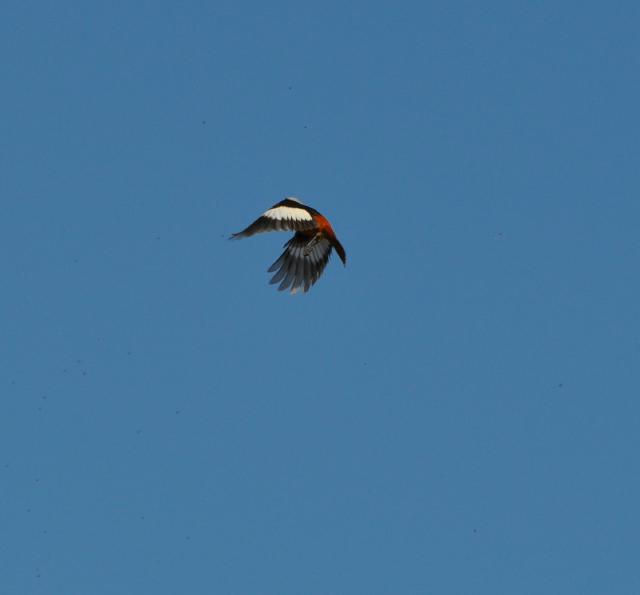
307	252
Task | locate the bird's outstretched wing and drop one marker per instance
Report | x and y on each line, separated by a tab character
287	215
301	263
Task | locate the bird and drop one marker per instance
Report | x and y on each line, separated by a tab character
306	254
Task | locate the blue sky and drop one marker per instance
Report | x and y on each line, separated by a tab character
456	411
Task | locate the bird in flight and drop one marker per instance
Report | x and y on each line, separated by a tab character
307	252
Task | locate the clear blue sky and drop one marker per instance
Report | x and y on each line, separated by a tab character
455	412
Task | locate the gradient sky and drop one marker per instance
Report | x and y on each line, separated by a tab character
454	412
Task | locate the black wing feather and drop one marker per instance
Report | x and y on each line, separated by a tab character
296	270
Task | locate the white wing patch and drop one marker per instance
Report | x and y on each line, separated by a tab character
282	213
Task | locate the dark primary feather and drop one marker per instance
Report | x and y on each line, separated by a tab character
296	270
264	224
